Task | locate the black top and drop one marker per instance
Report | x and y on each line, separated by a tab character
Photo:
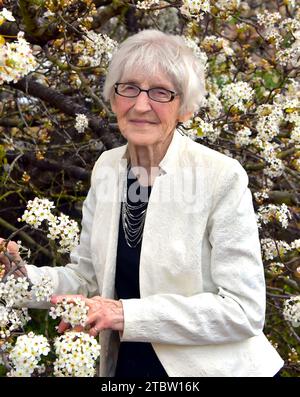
135	359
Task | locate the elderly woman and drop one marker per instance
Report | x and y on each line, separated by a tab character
169	258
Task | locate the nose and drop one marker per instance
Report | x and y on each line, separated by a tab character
142	102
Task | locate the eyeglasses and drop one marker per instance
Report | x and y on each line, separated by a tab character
157	94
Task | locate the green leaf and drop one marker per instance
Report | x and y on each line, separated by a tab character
272	79
3	159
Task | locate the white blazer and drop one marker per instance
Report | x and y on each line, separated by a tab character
202	282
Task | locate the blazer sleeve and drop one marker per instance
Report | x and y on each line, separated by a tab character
237	310
77	277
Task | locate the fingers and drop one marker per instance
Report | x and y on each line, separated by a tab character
97	298
78	328
62	327
3	259
9	254
94	331
55	299
93	316
12	248
92	319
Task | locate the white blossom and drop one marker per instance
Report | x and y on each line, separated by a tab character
260	196
236	94
291	310
16	60
215	107
213	43
97	48
77	354
74	313
225	5
276	268
66	230
274	168
295	244
81	123
6	15
274	248
147	4
295	135
291	25
199	128
268	125
242	137
289	55
271	212
195	8
27	353
12	320
268	19
62	227
44	290
38	210
14	290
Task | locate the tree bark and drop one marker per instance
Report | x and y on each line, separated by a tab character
68	106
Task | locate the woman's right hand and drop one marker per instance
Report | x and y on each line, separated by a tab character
12	249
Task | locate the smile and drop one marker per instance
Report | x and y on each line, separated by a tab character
142	122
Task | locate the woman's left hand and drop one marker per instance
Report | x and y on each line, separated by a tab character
103	314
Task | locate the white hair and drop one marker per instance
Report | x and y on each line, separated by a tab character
152	52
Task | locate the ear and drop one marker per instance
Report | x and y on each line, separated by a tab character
185	117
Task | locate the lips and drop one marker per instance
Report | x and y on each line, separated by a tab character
142	121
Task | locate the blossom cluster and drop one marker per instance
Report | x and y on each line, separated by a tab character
77	353
74	313
291	310
269	119
195	8
6	15
242	137
214	105
81	122
276	30
274	165
237	95
200	128
147	4
26	354
296	245
62	227
260	197
274	248
12	319
225	5
294	356
16	60
96	49
272	212
276	268
43	290
213	44
13	292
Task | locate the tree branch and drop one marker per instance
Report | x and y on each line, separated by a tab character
25	237
68	106
52	165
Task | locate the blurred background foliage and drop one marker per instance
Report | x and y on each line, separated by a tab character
43	154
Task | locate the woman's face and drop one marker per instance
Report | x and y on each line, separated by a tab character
143	121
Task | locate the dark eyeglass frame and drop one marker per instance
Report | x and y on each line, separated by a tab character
173	93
